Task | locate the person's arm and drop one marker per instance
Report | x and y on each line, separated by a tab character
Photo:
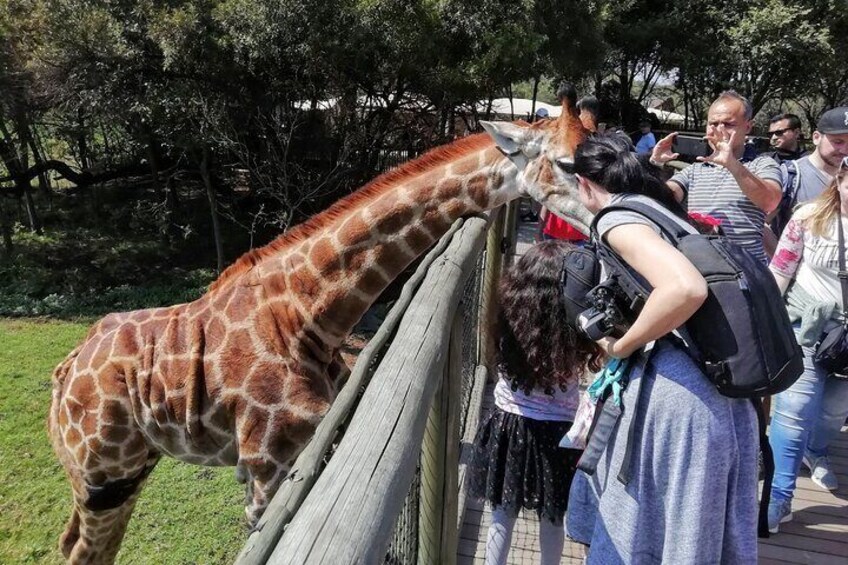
788	256
676	189
661	154
678	287
765	194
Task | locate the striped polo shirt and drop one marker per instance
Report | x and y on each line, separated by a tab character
711	189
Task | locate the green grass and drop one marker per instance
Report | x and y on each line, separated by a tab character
186	514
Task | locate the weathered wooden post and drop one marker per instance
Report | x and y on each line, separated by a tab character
438	534
491	276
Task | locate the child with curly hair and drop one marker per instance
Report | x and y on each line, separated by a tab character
517	462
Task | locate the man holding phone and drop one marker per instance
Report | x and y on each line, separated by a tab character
733	185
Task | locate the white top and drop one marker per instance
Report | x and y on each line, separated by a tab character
537	405
812	261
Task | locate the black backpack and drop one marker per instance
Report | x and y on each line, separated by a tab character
580	273
791	182
742	333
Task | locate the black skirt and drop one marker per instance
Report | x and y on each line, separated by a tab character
517	463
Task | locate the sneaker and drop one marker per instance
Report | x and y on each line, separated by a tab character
820	472
779	511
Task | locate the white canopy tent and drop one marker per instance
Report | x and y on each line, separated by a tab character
670	118
520	107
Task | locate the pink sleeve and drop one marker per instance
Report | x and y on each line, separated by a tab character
789	251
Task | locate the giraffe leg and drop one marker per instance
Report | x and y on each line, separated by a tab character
94	536
338	372
69	537
106	474
265	480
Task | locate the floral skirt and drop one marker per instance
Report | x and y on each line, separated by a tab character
517	463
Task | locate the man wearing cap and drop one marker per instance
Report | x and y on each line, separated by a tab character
816	170
732	185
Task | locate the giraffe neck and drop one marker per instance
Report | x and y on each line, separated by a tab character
334	276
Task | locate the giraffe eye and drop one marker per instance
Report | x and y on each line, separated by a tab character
565	165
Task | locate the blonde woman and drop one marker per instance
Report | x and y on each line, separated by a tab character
805	266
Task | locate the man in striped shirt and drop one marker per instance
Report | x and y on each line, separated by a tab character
733	185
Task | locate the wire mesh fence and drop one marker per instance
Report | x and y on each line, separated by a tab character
403	549
471	330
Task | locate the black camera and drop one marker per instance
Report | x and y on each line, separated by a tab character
605	317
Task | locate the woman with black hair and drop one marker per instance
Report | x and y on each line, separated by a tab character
691	497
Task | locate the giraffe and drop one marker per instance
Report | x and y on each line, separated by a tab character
543	158
243	375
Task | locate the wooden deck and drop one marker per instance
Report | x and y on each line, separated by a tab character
818	533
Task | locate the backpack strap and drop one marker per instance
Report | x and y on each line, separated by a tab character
645	356
671	228
632	283
842	274
768	469
606	418
793	181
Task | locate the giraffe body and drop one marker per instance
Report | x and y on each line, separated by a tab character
243	375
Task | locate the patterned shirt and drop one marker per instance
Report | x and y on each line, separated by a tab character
537	405
812	261
711	189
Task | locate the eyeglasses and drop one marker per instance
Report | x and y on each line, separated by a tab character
780	132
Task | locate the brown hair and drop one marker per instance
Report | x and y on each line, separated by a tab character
538	346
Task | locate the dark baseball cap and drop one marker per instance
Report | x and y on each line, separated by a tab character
834	121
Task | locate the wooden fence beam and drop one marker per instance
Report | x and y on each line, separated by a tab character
349	515
306	469
438	508
491	277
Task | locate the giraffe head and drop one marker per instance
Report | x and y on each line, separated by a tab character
543	153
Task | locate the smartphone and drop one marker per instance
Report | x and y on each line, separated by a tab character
690	146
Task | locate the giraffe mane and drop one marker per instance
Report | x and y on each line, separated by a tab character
376	187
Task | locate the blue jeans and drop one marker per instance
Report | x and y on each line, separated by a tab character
808	416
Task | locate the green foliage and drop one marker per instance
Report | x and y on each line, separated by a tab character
77	268
186	514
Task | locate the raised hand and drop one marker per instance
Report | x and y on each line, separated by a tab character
721	139
662	152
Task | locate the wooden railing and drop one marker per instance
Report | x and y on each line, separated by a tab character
393	436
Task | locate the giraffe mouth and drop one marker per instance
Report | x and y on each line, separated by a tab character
568	207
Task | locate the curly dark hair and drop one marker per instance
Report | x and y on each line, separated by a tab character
538	346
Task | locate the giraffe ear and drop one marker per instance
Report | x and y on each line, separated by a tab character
512	139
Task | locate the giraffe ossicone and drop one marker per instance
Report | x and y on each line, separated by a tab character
243	375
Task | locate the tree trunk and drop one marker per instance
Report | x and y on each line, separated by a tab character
43	180
213	208
32	214
82	142
623	90
166	225
536	81
6	231
17	169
